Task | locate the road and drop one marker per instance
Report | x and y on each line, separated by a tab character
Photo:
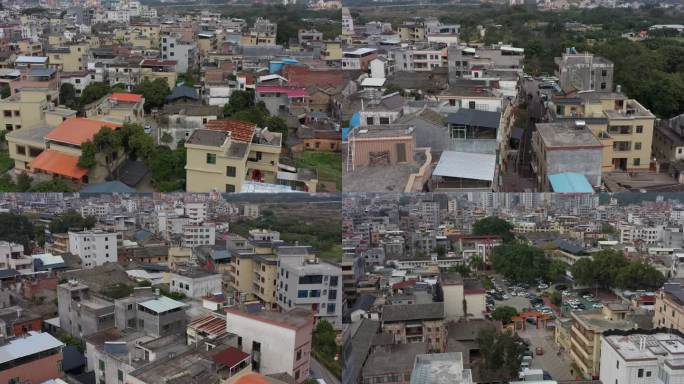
318	371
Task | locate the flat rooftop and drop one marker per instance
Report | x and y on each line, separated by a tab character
295	318
33	343
596	321
564	134
208	137
660	344
382	131
440	368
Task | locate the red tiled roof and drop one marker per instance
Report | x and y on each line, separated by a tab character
60	163
305	77
239	130
251	378
230	357
159	63
126	97
290	91
404	284
78	130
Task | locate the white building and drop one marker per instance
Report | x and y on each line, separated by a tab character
174	48
196	211
278	341
635	358
312	285
12	257
94	248
199	234
80	80
195	283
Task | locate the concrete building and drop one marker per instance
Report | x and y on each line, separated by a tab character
566	146
585	337
153	314
195	235
175	47
82	312
440	368
93	247
669	306
195	283
358	59
463	298
416	323
33	358
313	285
419	58
277	342
583	71
640	356
12	258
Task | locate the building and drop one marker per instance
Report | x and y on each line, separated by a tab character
391	363
195	283
176	47
381	145
33	358
277	341
566	146
669	310
313	285
585	337
12	258
639	356
82	312
416	323
583	71
155	315
440	368
93	247
195	235
358	59
463	298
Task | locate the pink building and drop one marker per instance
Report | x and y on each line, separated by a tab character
32	358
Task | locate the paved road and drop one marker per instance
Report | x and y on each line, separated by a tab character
557	366
318	371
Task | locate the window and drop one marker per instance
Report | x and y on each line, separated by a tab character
311	279
119	375
230	188
102	365
369	120
384	120
617	364
637	145
640	372
21	150
299	355
333	281
231	171
315	293
471	104
331	308
603	85
604	72
648	373
7	113
637	161
639	129
211	158
332	295
17	113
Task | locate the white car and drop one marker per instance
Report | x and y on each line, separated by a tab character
506	297
147	128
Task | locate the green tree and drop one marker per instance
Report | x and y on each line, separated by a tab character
24	182
556	298
108	145
5	91
17	229
70	219
520	262
637	275
504	314
67	95
154	92
93	92
599	271
323	339
54	185
476	263
494	226
556	271
239	101
500	354
88	153
166	138
440	250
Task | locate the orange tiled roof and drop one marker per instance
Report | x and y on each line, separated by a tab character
60	163
251	378
239	130
126	97
78	130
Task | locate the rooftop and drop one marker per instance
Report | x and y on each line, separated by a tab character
397	358
440	368
466	165
162	304
208	137
126	97
408	312
474	117
295	318
640	345
238	130
78	130
570	182
31	344
567	134
597	322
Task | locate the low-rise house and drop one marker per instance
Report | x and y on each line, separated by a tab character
81	311
119	107
416	323
34	358
195	283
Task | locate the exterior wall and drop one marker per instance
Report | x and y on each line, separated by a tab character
453	301
37	371
24	114
243	277
279	345
614	369
476	305
435	337
668	314
584	161
93	249
196	287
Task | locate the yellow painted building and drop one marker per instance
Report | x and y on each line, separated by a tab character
332	51
71	58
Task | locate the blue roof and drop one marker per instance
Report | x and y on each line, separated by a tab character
570	182
108	187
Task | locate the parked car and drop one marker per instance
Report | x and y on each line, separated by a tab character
539	351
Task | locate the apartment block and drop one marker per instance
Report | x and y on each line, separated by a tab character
195	235
416	323
175	47
82	312
229	154
419	58
33	358
71	58
195	283
312	285
93	247
277	341
669	306
583	71
12	258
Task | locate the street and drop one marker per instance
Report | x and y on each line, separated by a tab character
318	371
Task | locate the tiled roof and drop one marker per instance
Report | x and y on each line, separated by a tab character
239	130
126	97
78	130
52	161
230	357
290	91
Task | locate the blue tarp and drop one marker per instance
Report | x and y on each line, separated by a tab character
570	182
277	65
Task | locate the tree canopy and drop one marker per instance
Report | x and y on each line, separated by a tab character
70	219
154	92
520	262
493	225
16	228
504	313
501	354
610	268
